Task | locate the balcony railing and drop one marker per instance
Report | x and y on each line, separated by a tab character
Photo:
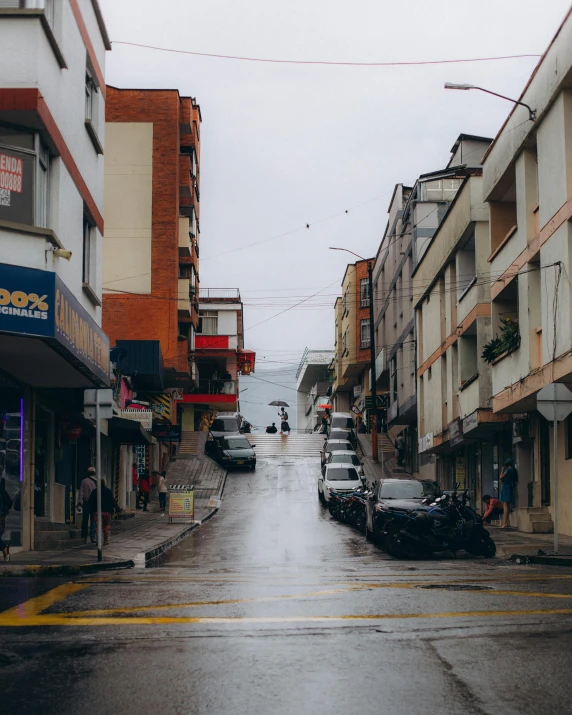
219	293
218	387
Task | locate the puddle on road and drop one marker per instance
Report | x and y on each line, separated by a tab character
456	587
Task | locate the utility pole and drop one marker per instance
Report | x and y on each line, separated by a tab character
374	451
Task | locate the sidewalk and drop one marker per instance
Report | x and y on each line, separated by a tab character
524	548
134	541
374	471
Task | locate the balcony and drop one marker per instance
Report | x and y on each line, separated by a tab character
219	294
215	394
185	241
218	387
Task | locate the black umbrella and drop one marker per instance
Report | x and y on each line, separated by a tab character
279	403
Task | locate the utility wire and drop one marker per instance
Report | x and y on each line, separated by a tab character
410	63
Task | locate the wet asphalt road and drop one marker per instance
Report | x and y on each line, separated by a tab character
273	607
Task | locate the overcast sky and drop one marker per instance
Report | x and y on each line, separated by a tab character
284	146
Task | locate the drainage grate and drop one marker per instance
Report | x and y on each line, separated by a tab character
457	587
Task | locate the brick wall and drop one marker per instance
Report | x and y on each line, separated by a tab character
362	354
155	316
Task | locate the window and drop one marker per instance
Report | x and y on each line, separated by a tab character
345	301
364	292
466	268
364	334
90	91
87	276
440	190
24	170
209	322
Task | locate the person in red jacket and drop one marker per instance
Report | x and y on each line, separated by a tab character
493	506
144	489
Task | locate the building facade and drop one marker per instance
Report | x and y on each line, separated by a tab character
527	182
220	359
52	346
461	440
313	388
352	347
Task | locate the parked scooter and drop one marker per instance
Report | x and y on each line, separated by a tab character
446	524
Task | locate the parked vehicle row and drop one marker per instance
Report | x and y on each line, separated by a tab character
226	441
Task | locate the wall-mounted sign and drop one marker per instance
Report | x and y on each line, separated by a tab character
426	442
159	403
38	303
471	422
357	390
143	416
455	432
166	432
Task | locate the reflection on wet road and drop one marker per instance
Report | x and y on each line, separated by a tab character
272	606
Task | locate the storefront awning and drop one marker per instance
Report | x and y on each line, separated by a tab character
128	431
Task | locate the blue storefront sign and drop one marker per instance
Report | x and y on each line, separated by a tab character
38	303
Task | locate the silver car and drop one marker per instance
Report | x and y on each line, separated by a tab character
345	457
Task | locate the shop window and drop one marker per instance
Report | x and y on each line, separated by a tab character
24	177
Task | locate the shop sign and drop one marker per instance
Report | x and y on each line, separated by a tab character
357	391
471	421
143	416
356	410
455	432
16	186
181	505
426	442
460	472
34	302
141	454
167	433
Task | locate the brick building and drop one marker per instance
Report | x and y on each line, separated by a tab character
151	245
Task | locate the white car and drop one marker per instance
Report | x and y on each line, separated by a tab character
334	445
341	477
345	457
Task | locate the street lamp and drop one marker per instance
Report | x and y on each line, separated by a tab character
531	112
374	452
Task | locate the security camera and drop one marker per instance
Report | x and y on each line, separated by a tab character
62	253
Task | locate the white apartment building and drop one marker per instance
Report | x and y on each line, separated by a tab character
461	441
313	385
527	182
52	112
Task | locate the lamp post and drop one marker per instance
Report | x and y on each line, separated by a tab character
374	450
531	112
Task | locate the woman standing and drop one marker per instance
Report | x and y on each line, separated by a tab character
508	480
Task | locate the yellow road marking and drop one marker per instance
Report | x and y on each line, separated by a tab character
57	620
36	605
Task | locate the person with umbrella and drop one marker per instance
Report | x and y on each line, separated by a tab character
284	426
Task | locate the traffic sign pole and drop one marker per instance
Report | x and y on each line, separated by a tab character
555	423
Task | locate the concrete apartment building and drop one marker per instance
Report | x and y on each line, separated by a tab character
152	238
464	440
52	347
220	358
313	385
414	216
527	181
352	356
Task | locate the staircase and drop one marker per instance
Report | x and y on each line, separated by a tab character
55	537
295	445
192	443
531	520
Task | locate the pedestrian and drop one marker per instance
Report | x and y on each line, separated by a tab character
284	426
272	430
493	507
162	488
134	478
362	428
5	506
88	484
144	489
508	480
108	507
400	448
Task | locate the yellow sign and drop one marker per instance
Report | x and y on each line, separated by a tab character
460	472
182	505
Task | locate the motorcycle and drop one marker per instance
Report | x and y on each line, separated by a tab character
349	507
446	524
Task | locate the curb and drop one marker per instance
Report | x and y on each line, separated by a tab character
64	569
546	560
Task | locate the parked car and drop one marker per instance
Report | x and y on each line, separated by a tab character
339	477
395	494
236	451
343	421
345	458
335	445
225	424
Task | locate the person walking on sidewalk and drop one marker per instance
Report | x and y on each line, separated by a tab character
400	447
108	507
144	489
135	479
162	489
5	506
88	484
508	480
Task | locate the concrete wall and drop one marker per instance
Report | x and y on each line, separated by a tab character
128	207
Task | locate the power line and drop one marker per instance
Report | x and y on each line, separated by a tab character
409	63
